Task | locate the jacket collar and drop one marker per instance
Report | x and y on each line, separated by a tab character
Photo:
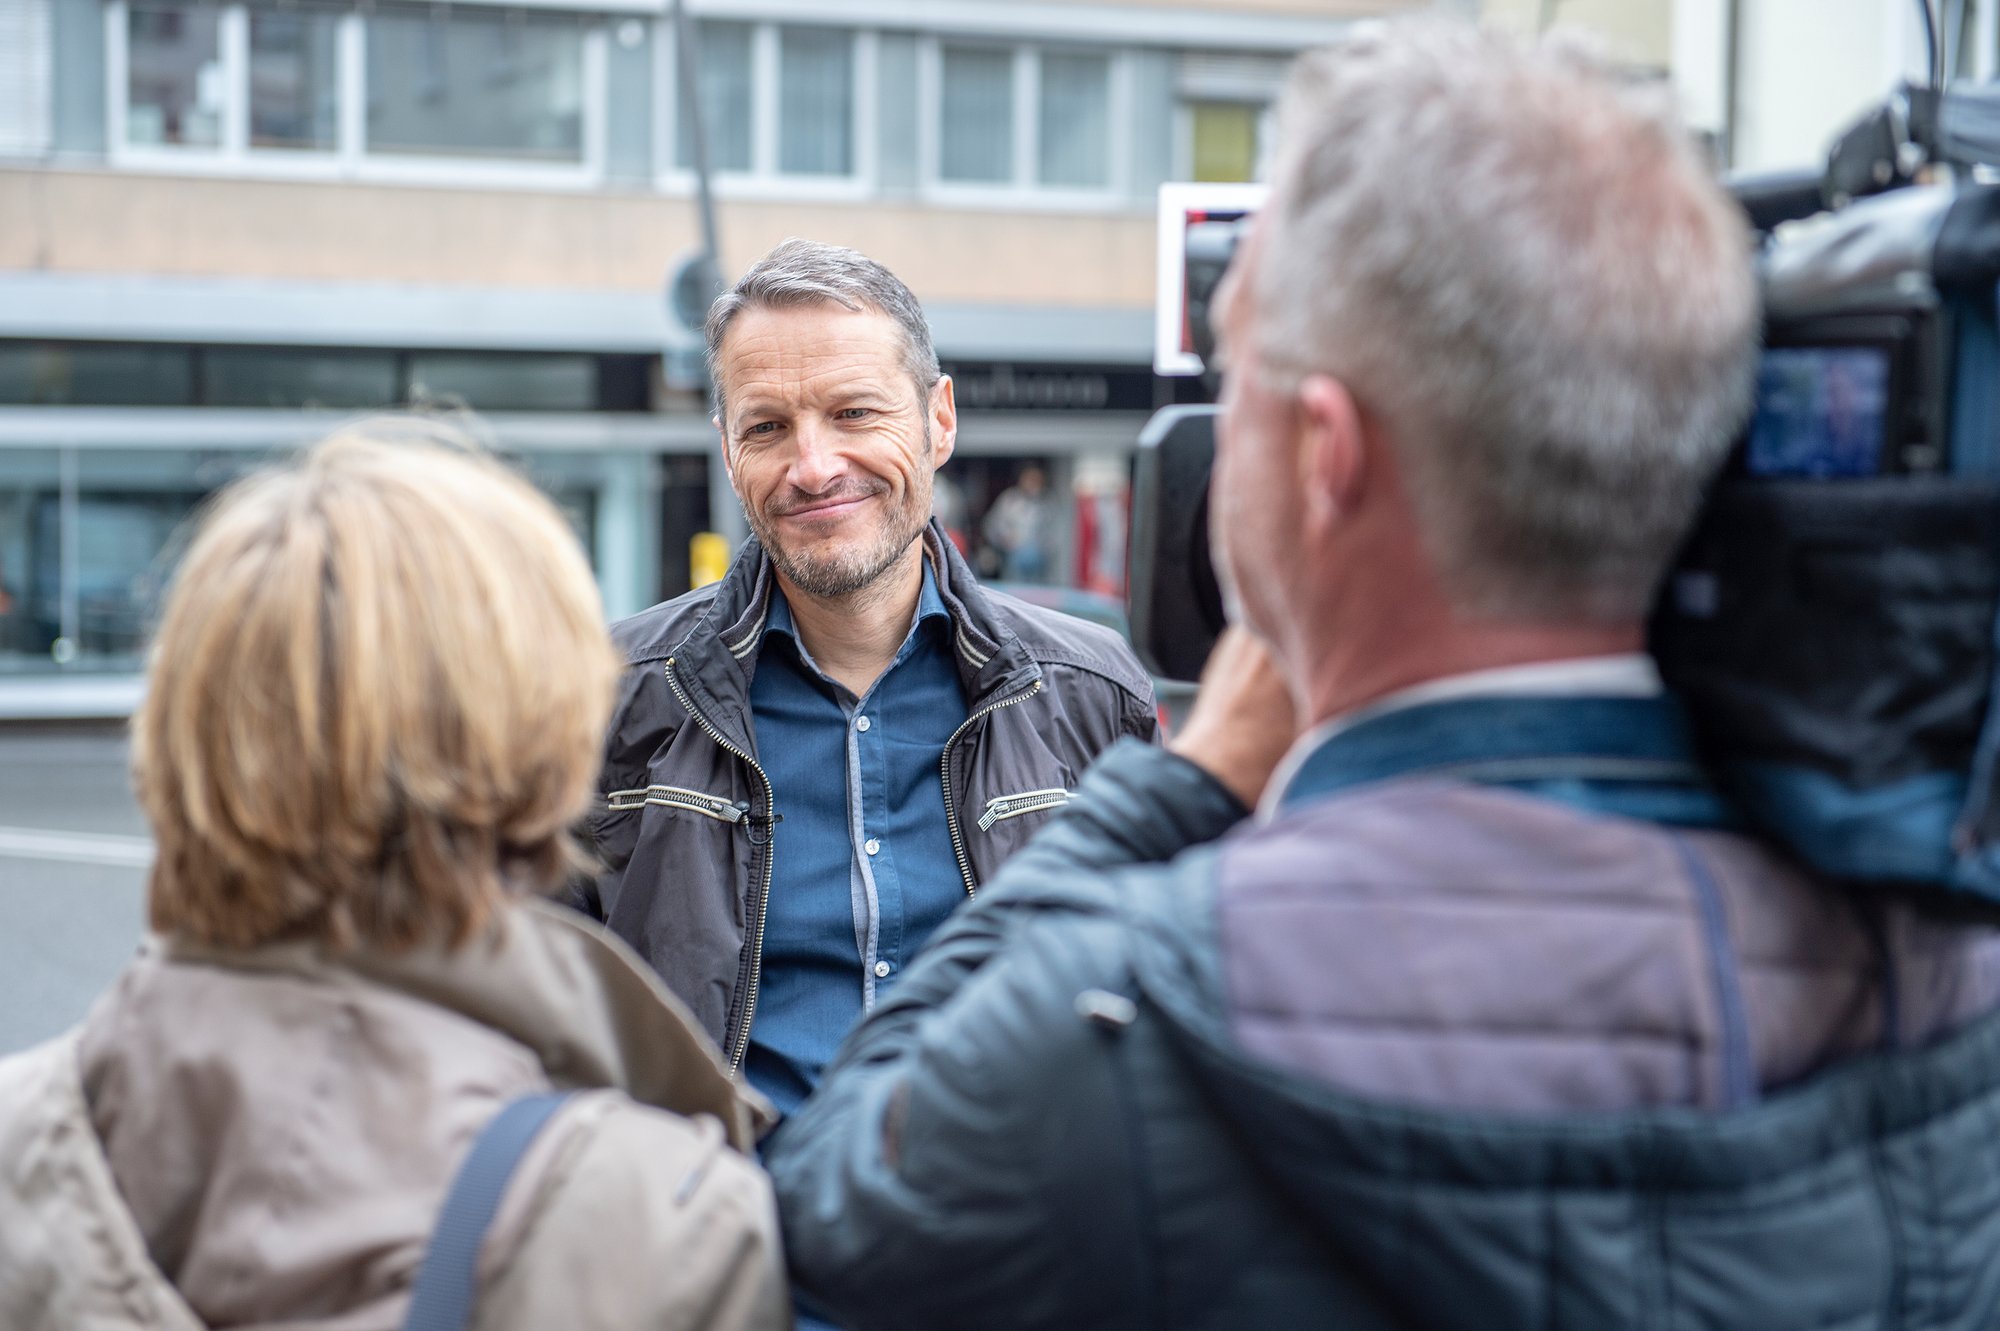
590	1011
1632	756
716	659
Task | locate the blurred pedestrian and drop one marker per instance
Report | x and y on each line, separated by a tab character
1021	526
361	768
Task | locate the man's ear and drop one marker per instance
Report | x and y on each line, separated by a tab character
943	407
1333	457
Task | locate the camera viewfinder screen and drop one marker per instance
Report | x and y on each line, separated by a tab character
1821	411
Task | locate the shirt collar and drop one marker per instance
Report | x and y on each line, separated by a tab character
930	605
1630	675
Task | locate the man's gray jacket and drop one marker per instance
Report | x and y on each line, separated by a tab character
1499	1023
684	813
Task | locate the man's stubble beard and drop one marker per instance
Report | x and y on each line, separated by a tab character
842	573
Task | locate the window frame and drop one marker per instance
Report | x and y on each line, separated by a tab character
349	158
764	180
1024	189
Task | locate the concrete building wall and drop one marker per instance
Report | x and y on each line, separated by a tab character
1639	30
1806	68
1772	80
1290	8
82	221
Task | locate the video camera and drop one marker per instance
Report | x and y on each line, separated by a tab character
1832	621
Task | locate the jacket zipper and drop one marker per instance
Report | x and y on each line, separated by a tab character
944	770
739	1039
673	797
1002	807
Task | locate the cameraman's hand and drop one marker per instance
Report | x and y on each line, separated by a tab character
1243	719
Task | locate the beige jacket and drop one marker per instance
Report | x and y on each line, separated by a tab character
248	1139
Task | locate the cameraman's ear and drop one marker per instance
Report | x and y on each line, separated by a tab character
1333	456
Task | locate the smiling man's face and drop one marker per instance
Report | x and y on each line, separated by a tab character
830	443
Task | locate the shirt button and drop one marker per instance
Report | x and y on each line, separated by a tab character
881	970
871	845
861	723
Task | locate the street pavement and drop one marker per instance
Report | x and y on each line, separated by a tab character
73	856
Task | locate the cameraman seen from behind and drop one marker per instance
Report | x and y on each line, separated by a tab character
1491	1014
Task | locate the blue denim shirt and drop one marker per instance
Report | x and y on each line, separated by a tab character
863	866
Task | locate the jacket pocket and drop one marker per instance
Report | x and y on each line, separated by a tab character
1002	807
674	797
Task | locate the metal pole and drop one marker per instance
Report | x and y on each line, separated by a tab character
1732	83
69	546
690	115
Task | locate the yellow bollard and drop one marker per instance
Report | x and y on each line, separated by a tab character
708	558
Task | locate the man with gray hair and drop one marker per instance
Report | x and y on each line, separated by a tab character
815	760
1467	1024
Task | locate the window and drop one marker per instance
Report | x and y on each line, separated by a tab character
977	112
1224	140
1024	119
59	374
1076	121
380	91
815	102
293	55
174	79
26	477
778	102
298	377
498	382
723	64
447	82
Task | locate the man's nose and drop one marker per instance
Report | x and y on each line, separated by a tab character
817	463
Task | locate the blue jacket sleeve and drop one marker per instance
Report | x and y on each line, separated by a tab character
968	1160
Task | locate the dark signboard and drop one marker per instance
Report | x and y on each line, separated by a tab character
1014	386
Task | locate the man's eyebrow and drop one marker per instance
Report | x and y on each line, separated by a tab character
860	393
748	403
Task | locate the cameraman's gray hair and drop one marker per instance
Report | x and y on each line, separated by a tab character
1514	256
807	272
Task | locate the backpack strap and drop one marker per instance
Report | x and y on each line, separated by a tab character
445	1290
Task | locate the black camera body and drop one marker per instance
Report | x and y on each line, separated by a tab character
1174	600
1832	621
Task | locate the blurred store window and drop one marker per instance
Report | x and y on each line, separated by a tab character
455	83
56	374
298	376
724	83
293	78
176	86
101	374
816	102
502	383
25	474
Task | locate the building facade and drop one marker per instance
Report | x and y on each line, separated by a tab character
226	225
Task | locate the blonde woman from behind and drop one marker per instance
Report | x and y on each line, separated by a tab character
373	710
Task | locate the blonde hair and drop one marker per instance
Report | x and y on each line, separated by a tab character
374	702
